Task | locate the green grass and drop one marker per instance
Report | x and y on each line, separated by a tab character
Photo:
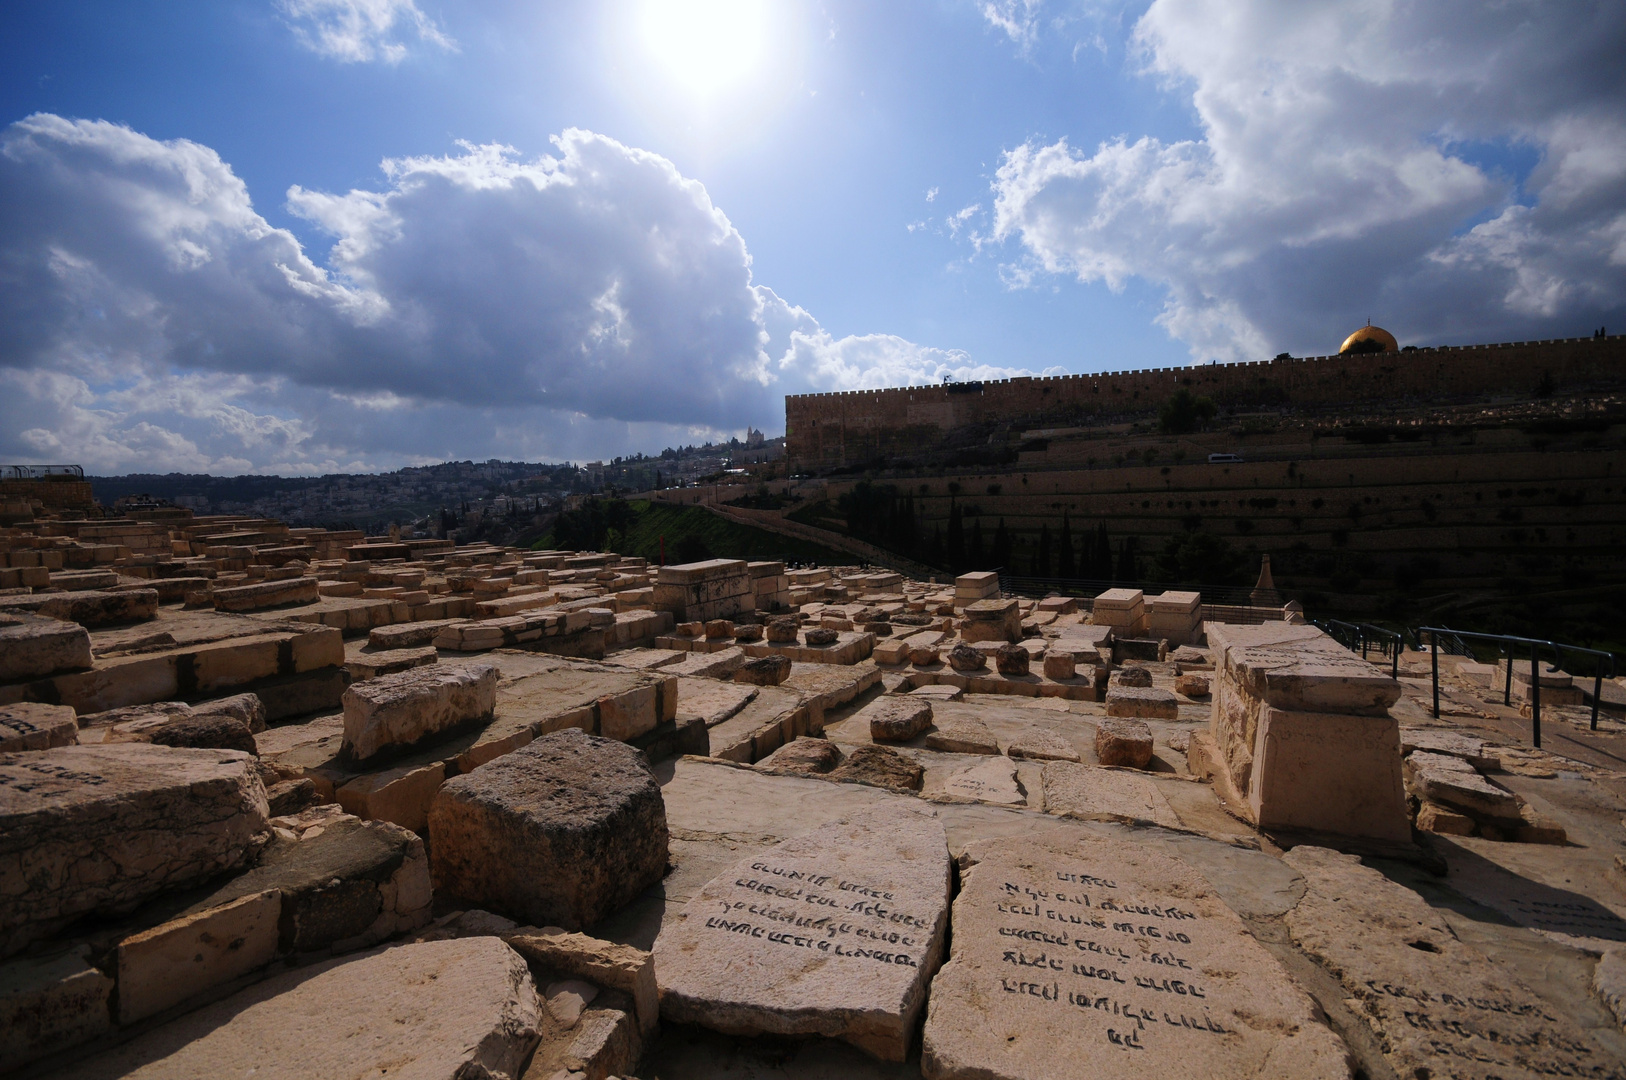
719	537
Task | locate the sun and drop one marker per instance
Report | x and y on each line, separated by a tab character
706	46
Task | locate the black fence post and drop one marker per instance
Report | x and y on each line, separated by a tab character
1434	652
1535	696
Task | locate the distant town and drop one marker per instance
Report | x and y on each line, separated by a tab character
447	495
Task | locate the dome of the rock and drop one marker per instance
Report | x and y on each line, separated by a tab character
1369	339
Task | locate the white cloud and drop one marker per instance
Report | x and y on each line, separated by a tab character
1019	19
582	304
356	31
1344	172
931	194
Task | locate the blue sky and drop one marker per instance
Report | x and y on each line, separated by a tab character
280	235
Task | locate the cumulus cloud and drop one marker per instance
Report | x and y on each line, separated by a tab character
356	31
1358	159
584	303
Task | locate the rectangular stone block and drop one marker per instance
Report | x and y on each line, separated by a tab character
628	714
32	647
117	825
49	1003
30	726
267	594
396	711
1329	772
184	957
1147	702
401	795
89	609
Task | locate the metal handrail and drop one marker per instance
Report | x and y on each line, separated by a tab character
1363	636
1506	643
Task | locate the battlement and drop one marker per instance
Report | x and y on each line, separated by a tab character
844	427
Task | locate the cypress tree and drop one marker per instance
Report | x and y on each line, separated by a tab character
975	556
1065	567
956	538
1002	546
1041	557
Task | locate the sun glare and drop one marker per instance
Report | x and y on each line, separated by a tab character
706	46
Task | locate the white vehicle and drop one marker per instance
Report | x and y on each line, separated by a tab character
1224	459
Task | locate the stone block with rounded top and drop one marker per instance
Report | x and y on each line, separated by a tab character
784	629
561	832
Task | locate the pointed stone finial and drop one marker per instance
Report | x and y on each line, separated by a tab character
1264	594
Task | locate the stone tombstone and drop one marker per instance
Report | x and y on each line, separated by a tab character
99	829
835	932
563	831
1108	959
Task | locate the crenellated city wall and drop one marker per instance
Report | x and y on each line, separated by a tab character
830	430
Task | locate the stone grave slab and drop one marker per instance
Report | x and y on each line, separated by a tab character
1439	1006
1111	960
463	1007
33	647
835	932
561	832
990	781
30	726
712	700
1096	794
1039	745
962	735
117	824
400	710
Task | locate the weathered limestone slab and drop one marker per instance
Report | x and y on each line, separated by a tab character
1060	664
775	716
712	700
834	933
407	635
34	648
962	735
1082	791
1192	686
1125	743
1039	745
399	710
620	967
714	665
804	755
92	828
49	1003
880	766
345	883
1455	743
561	832
390	661
990	781
463	1007
267	594
90	609
1452	782
992	620
1142	701
896	719
171	962
764	670
1438	1006
30	726
1111	960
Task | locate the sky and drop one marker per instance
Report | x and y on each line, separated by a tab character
310	236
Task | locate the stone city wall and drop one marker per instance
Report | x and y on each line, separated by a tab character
827	430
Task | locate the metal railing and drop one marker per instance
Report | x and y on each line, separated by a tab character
1364	637
1506	644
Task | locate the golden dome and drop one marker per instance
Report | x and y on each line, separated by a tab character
1370	339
